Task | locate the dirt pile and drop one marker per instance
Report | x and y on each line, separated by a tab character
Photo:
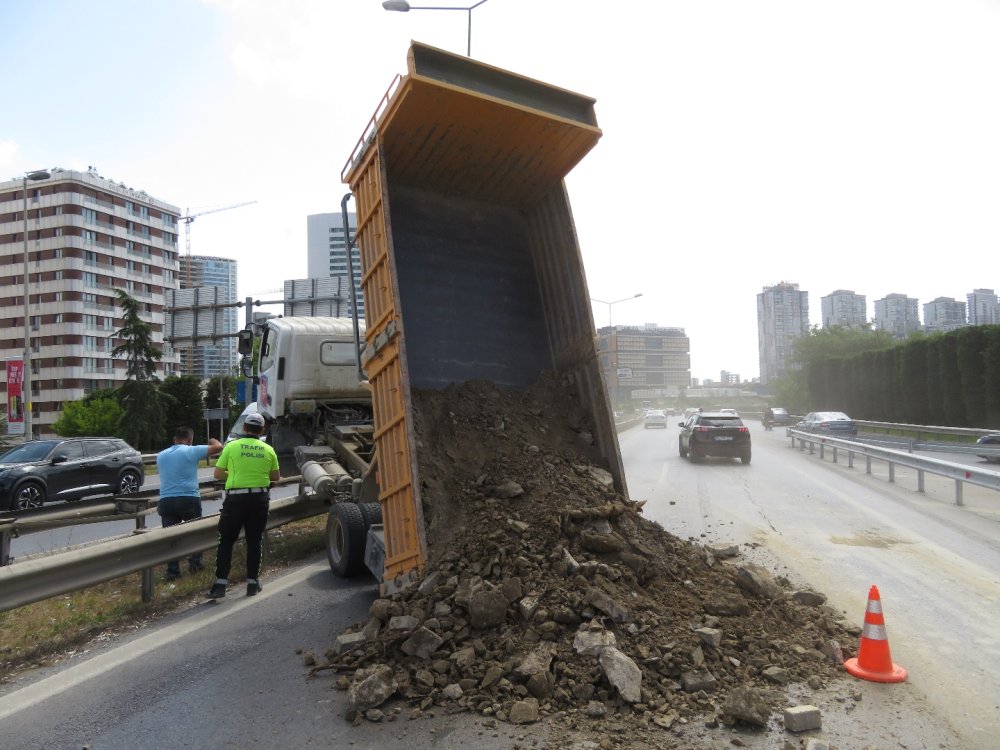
548	594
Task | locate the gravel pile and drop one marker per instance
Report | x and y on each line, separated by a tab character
549	595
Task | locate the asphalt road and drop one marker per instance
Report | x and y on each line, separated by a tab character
228	675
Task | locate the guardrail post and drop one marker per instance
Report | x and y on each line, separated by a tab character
920	480
835	454
6	534
868	464
850	459
959	484
138	507
892	471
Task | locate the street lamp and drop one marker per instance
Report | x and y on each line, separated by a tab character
403	6
37	176
609	304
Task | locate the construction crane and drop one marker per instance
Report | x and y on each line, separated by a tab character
191	217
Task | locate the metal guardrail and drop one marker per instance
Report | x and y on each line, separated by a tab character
38	578
961	473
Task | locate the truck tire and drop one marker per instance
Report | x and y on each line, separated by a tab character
371	513
345	540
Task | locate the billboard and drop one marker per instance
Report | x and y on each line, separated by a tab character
15	396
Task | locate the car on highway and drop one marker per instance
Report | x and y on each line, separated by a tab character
832	423
38	471
654	418
714	433
991	440
780	416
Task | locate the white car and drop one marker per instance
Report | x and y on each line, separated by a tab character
654	418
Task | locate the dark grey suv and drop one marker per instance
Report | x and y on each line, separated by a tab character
67	469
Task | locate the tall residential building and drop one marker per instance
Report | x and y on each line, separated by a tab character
943	314
86	237
782	318
984	309
327	249
201	272
897	314
844	308
639	362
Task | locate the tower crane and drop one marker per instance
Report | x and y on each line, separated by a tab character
191	217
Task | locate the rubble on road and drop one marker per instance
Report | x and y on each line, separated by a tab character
548	594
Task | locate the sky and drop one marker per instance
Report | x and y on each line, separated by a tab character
837	145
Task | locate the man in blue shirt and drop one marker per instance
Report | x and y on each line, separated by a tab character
180	498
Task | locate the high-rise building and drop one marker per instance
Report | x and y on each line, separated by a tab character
897	314
87	236
844	308
327	248
641	362
204	272
782	318
943	314
729	378
984	309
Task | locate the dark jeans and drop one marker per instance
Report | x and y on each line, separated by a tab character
249	514
175	510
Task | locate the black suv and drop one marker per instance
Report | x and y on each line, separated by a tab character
714	433
68	469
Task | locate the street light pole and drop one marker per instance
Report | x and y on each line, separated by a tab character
36	176
609	304
402	6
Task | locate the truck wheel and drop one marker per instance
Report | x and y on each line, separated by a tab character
345	539
371	513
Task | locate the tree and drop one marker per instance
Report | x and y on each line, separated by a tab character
187	406
98	417
140	398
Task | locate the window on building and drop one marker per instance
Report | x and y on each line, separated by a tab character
654	343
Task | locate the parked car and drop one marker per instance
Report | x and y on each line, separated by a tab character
833	423
992	439
654	418
68	469
714	433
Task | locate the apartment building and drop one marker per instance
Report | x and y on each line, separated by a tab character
844	308
327	253
639	362
86	236
218	276
943	314
984	309
782	318
897	314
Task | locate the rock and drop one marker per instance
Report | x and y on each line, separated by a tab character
371	688
528	606
636	563
512	589
802	718
403	623
491	677
507	490
607	605
540	685
622	673
594	541
595	710
815	743
487	608
592	642
422	643
524	712
667	720
464	658
538	661
726	605
519	526
757	581
347	642
371	629
572	566
427	585
465	589
424	677
692	682
747	705
722	550
832	650
452	692
709	636
599	475
809	598
777	675
374	715
442	609
381	609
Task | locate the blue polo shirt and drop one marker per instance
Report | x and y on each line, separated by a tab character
178	466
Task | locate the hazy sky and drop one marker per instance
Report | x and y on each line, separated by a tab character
838	145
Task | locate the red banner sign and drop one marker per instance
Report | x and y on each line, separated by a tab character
15	397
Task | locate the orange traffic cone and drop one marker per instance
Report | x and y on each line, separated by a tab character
874	661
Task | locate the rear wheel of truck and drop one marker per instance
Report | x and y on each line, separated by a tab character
345	539
371	513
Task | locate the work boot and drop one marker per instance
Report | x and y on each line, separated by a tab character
217	591
254	588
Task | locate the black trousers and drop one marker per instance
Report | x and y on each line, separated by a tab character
246	513
175	510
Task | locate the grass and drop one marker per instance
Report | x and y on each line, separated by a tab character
31	635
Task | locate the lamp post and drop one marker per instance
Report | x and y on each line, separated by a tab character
609	304
37	176
403	6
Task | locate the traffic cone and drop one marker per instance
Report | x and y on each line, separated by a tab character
874	662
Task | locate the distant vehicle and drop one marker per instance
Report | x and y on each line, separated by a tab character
68	469
833	423
729	411
654	418
780	416
714	433
992	439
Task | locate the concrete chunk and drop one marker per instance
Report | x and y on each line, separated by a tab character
802	718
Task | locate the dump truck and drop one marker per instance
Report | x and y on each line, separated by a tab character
471	270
